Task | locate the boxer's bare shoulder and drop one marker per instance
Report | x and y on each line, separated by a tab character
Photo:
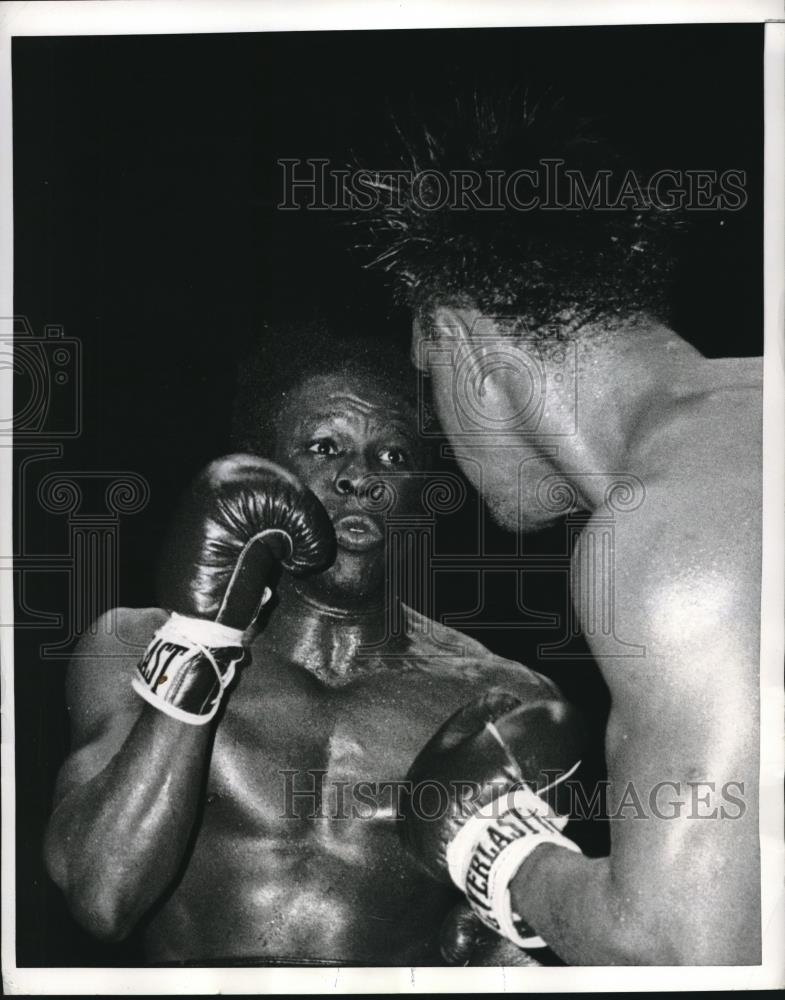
707	427
687	559
110	650
445	652
101	704
684	690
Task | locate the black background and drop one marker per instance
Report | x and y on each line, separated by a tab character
145	193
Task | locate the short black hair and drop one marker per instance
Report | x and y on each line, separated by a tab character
290	350
533	267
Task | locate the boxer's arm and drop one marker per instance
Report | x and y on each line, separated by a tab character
680	890
673	891
126	798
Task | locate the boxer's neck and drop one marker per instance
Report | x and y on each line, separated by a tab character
621	376
627	382
333	640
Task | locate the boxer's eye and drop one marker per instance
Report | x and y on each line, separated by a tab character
392	456
323	446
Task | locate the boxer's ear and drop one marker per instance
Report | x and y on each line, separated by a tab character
450	326
463	326
454	322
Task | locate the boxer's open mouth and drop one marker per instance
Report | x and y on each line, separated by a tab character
358	532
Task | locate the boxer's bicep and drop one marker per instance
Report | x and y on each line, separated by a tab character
683	867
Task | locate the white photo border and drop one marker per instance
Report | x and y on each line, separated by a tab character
63	17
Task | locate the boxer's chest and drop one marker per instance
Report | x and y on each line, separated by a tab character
293	751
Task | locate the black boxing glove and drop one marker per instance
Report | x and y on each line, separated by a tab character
484	793
460	935
242	517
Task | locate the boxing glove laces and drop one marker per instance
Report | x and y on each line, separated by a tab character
242	518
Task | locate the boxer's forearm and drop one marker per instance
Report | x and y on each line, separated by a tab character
575	905
115	842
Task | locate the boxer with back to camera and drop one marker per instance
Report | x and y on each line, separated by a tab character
500	299
219	740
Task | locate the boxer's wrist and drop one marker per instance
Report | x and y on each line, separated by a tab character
187	666
214	635
490	849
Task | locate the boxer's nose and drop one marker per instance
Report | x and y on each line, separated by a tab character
344	486
347	479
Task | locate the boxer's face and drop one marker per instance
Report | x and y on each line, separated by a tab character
341	434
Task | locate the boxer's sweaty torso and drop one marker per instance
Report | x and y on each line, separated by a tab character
684	597
292	857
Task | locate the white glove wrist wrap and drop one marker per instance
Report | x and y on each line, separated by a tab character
490	847
187	667
203	632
